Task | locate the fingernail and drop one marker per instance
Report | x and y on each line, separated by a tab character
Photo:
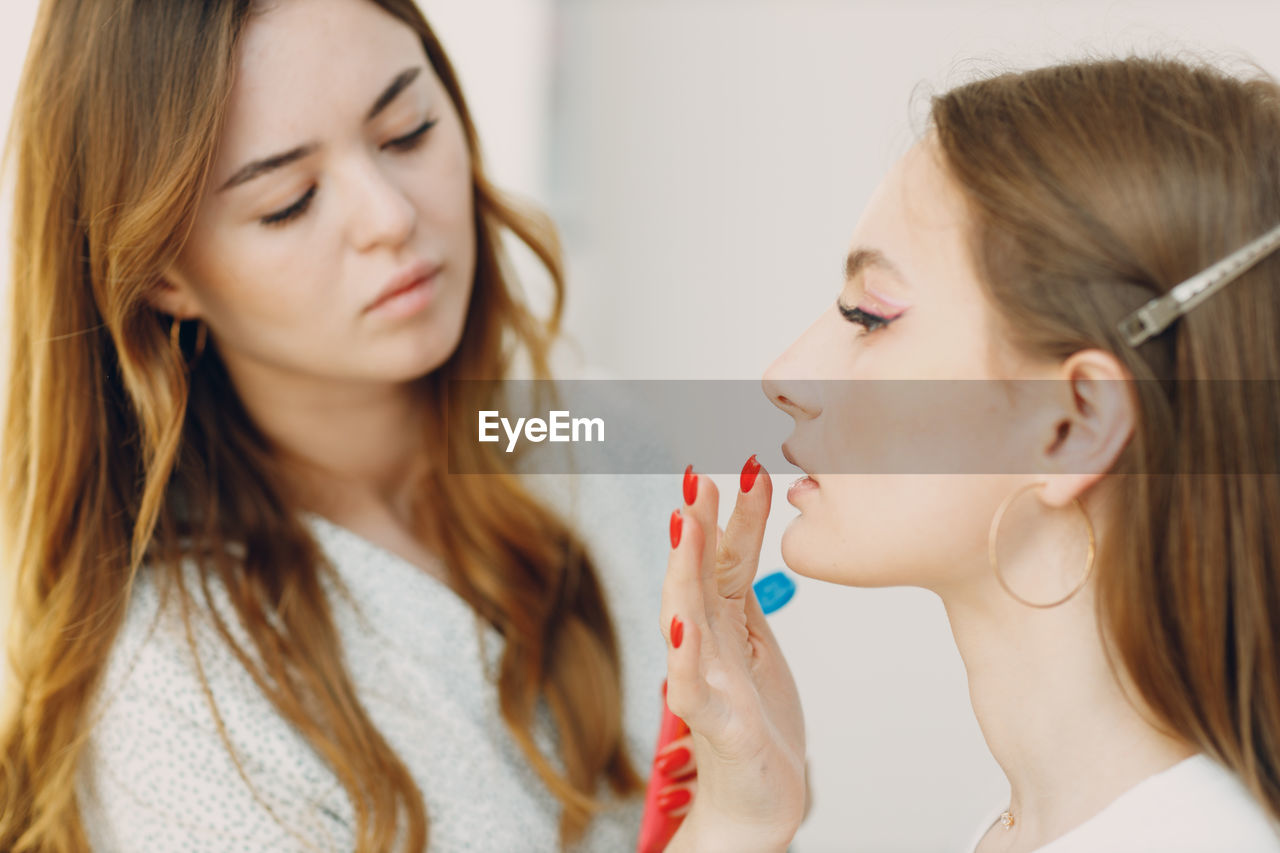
690	486
673	800
749	472
673	761
677	632
677	524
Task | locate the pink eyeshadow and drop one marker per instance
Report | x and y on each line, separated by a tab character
896	307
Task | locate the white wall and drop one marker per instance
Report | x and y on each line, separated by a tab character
707	160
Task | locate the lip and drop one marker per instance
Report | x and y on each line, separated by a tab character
405	280
800	487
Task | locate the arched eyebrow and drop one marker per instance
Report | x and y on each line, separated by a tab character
864	257
268	164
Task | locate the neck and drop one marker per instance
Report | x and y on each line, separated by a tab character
1070	734
348	449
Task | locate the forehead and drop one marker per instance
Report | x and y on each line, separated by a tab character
302	63
917	219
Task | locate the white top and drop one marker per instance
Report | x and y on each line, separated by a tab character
157	776
1196	806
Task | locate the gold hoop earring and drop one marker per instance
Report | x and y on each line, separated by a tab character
995	563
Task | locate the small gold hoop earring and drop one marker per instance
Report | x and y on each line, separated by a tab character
995	563
175	339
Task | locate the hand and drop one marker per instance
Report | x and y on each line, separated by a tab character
677	764
728	680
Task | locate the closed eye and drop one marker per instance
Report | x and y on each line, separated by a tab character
293	210
870	322
411	140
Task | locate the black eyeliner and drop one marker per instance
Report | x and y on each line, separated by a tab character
866	319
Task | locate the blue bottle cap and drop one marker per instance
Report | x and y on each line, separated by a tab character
774	590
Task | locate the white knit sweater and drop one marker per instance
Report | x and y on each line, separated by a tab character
158	777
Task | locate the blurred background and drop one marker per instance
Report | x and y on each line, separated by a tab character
707	161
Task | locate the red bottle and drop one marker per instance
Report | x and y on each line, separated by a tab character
658	827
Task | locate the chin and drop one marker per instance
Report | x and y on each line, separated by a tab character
423	353
813	550
808	550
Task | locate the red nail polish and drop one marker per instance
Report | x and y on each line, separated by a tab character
673	761
749	472
677	524
690	486
677	632
673	800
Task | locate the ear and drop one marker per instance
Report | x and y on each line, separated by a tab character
173	295
1093	421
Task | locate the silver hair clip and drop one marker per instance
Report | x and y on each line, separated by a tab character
1155	316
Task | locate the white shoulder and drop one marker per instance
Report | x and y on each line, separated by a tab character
158	774
1206	807
1196	806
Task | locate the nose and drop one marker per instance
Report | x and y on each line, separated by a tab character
381	213
792	382
791	395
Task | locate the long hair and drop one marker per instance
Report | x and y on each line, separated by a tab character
111	440
1094	187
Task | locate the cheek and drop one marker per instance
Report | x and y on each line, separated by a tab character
263	301
443	188
252	284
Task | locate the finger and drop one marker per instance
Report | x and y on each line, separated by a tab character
688	695
757	623
676	800
705	508
676	760
738	551
683	605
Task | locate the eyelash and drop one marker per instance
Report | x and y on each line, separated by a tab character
405	143
868	321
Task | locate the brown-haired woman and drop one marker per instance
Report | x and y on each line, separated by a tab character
253	243
1115	592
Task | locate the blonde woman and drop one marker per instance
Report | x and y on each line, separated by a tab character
1115	597
254	242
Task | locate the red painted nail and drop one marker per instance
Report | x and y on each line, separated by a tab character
749	472
677	524
673	761
677	632
690	486
673	800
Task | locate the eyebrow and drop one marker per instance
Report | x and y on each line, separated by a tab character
863	257
267	164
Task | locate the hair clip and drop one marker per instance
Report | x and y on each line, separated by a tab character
1156	316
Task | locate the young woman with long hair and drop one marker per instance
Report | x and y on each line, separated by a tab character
254	242
1115	597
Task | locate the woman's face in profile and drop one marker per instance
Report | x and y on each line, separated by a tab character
912	283
342	171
